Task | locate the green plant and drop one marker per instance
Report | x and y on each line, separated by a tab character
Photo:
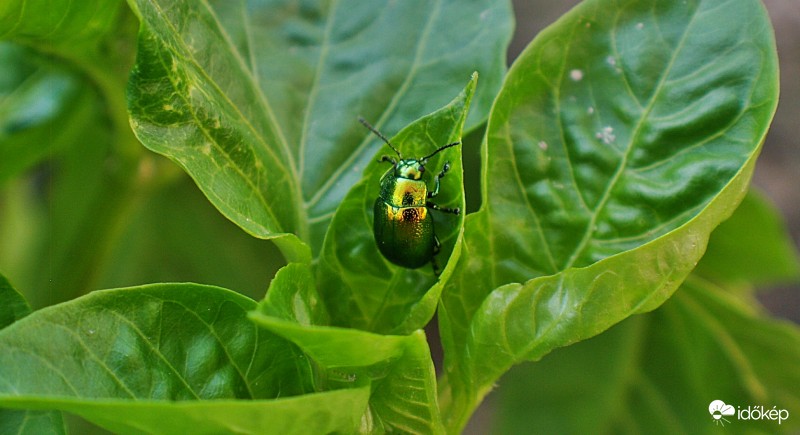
612	148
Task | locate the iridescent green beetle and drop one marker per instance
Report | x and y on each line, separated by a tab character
403	228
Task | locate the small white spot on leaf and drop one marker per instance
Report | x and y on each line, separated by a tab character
611	60
640	26
543	145
590	110
606	135
576	75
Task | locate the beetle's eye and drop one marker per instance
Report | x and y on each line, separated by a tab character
421	168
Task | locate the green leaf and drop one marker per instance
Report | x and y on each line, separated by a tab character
612	151
12	308
161	349
751	248
330	412
293	297
658	373
271	138
398	369
361	288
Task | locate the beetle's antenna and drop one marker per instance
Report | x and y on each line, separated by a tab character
441	149
372	129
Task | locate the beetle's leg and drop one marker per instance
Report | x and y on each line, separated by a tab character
455	210
437	246
435	190
389	159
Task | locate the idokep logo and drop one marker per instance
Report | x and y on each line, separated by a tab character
719	410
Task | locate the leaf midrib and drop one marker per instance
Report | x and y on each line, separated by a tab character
590	227
315	84
263	104
404	87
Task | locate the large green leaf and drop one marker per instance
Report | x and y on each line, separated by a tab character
128	359
613	150
361	288
258	101
659	372
329	412
398	369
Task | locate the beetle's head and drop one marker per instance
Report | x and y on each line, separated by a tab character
410	168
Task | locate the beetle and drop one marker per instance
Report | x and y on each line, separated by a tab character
403	227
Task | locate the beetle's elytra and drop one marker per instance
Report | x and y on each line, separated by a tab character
403	227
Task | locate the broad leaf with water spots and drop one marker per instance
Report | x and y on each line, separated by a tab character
623	135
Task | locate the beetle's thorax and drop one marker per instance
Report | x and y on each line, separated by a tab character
409	168
400	191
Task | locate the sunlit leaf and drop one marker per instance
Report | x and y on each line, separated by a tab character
329	412
162	350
